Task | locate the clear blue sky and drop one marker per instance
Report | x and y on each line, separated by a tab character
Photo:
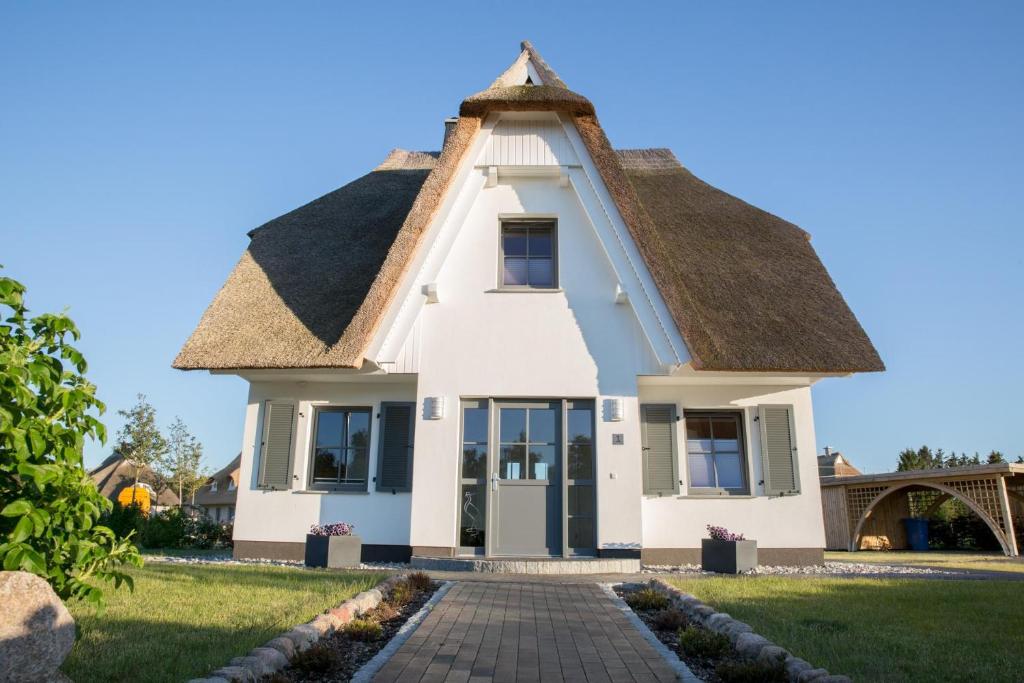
139	144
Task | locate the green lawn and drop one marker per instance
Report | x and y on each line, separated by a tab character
182	621
937	559
882	629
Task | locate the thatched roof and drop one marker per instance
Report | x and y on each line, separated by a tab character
224	495
115	474
744	287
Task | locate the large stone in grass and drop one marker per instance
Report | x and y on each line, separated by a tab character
36	629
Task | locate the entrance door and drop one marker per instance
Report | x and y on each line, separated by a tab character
526	479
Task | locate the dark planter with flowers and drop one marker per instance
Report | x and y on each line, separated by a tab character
333	546
726	552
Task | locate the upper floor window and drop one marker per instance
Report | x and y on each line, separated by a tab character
213	485
714	452
529	255
231	485
341	448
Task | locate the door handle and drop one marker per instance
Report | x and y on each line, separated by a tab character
494	481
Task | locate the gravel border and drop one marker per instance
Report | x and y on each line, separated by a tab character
294	564
369	670
827	569
683	672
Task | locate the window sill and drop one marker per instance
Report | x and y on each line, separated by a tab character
524	290
329	492
718	496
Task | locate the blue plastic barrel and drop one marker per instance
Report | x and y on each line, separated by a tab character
917	533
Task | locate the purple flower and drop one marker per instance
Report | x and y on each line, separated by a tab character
335	529
720	533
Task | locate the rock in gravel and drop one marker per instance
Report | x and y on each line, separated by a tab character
735	629
796	666
283	645
771	654
717	620
323	624
36	631
749	645
703	612
271	659
812	675
302	636
234	673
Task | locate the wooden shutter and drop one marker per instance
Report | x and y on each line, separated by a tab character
276	448
394	456
778	450
661	472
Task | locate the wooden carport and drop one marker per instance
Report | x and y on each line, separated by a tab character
866	511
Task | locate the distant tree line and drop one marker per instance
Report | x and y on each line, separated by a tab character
924	458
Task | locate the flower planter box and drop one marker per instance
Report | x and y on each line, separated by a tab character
333	551
728	557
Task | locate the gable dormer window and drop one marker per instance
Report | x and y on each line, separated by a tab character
528	255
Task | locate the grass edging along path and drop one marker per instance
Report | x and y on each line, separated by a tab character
881	629
183	621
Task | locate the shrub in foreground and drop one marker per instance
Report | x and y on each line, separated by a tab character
49	507
752	672
419	581
646	598
699	642
670	619
317	659
364	630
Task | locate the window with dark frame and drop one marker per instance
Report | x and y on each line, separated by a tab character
715	458
341	449
528	255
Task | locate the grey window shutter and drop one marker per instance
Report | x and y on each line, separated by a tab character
661	472
276	450
394	455
778	450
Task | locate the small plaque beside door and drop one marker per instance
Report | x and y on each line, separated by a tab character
618	439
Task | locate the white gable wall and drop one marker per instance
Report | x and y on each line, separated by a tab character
478	342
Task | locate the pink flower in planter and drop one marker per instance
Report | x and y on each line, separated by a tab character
720	533
335	529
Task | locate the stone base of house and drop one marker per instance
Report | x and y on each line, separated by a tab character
296	551
786	557
514	565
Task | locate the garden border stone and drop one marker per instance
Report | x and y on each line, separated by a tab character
747	643
275	654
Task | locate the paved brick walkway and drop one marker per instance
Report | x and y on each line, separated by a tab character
504	632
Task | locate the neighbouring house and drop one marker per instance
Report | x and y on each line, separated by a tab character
833	464
115	474
530	345
216	498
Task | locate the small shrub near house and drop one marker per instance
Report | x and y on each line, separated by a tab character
419	581
752	671
647	598
171	528
670	619
318	659
699	642
365	630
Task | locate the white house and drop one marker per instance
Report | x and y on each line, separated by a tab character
530	345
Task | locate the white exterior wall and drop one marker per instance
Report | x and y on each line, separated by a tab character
576	343
776	522
379	518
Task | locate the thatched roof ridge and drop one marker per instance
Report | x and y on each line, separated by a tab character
115	474
525	98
